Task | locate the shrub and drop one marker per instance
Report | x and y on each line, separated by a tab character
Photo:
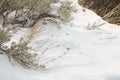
113	16
108	9
18	53
4	36
65	11
21	54
29	10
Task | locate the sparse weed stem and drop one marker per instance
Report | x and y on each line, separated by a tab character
94	26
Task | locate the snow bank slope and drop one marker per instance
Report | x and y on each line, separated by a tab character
93	55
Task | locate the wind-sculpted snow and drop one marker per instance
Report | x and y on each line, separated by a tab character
93	54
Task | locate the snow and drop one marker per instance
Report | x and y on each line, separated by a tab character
93	55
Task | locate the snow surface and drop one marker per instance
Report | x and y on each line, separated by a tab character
93	55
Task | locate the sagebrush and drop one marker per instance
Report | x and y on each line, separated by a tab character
108	9
66	10
26	11
19	53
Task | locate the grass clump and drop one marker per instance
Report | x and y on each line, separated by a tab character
65	11
18	53
4	36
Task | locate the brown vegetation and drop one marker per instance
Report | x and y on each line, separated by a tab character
29	10
108	9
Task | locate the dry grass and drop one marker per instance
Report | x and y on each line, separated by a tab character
23	55
65	11
113	16
108	9
29	10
